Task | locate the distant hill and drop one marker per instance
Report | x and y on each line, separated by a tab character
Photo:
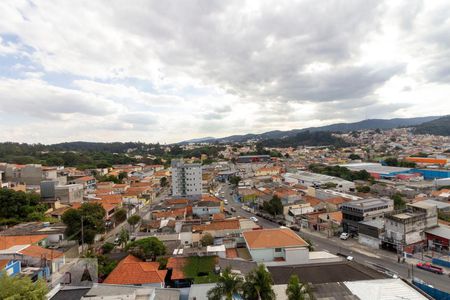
339	127
199	140
439	126
306	138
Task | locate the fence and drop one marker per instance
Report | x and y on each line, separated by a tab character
431	291
441	262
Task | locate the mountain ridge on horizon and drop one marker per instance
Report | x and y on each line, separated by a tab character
336	127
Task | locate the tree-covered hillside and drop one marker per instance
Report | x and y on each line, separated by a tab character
439	126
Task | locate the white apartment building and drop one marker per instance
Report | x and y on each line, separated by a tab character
186	179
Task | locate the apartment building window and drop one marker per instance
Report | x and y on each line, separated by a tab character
278	250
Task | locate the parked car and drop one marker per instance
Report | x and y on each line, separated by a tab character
116	241
429	267
254	219
233	209
344	236
294	227
225	202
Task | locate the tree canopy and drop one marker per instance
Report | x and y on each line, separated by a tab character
16	207
297	290
341	172
258	285
273	206
92	215
21	287
227	285
147	248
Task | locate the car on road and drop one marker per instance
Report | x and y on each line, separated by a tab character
225	202
344	236
116	241
233	209
254	219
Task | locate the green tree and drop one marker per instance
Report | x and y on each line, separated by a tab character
399	203
124	237
105	265
122	176
227	285
363	189
20	206
92	214
163	182
133	220
207	240
258	285
107	247
120	216
273	206
234	180
297	290
354	156
147	248
21	287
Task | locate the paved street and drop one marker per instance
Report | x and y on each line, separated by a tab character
350	247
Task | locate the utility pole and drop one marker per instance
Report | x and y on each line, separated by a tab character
82	236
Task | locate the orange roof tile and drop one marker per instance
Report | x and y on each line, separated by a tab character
273	238
177	264
3	263
14	240
334	216
219	216
313	201
218	225
337	200
132	270
177	201
85	178
39	252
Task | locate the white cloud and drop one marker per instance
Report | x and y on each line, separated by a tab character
171	70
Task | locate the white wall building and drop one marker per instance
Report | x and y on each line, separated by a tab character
186	179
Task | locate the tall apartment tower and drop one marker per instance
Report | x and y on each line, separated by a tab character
186	179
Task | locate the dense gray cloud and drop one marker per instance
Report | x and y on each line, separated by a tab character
182	69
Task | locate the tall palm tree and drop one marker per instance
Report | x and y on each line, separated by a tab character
258	285
297	290
227	285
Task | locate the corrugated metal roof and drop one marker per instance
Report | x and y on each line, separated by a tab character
383	289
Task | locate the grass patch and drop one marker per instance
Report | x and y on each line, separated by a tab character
201	269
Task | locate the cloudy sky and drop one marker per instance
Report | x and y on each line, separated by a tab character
173	70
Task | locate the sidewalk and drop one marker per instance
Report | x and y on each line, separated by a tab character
353	245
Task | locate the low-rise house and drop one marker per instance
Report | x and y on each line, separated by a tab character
133	271
330	222
354	212
70	193
438	238
88	182
219	228
10	266
206	208
370	233
278	244
268	171
405	229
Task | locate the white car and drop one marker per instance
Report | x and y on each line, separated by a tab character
225	202
254	219
344	236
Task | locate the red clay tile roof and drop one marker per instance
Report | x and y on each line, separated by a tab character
218	225
177	264
132	270
171	213
14	240
219	216
313	201
39	252
337	200
177	201
3	263
273	238
85	178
